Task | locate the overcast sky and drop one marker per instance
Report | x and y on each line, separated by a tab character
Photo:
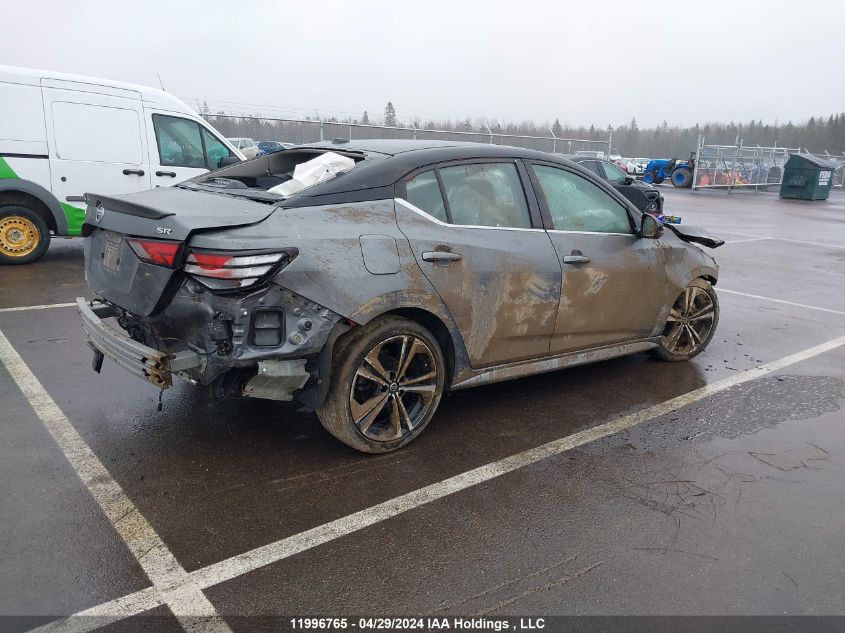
585	62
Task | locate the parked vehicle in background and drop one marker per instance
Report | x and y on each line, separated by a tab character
642	163
268	147
645	197
632	166
679	172
588	153
63	135
246	146
427	266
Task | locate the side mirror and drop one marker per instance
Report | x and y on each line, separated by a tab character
650	226
629	180
228	160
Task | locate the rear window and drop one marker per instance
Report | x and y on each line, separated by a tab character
279	169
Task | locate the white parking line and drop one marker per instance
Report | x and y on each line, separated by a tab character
783	301
45	306
748	239
172	584
786	239
241	564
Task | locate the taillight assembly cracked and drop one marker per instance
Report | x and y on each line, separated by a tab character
221	270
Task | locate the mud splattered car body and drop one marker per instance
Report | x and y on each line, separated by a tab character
454	264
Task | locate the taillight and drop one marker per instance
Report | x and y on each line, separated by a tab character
155	251
220	270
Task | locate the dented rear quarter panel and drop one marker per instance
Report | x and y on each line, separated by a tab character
330	268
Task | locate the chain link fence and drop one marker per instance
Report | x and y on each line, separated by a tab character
299	131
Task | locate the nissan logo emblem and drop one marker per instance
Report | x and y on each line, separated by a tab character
101	211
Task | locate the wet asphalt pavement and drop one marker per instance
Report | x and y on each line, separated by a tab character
732	504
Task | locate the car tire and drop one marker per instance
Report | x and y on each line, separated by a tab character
682	178
386	383
691	324
24	234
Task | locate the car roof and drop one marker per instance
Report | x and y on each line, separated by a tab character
433	148
388	161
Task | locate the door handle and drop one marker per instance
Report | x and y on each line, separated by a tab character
441	256
576	259
130	172
172	174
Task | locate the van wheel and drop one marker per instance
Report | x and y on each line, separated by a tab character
387	380
24	235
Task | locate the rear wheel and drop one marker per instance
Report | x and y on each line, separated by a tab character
691	323
24	235
387	380
682	178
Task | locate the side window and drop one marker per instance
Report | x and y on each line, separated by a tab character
614	174
424	192
179	142
576	204
486	194
593	166
215	151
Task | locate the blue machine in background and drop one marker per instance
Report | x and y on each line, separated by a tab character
679	172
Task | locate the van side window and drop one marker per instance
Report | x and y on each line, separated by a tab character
215	151
181	143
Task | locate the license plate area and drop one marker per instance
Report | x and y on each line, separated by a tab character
111	252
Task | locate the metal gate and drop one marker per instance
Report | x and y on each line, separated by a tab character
739	166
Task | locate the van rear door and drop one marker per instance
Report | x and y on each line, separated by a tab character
181	147
97	139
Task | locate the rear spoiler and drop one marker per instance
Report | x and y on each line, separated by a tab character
96	200
695	234
127	208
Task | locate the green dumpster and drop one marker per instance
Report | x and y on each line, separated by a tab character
806	177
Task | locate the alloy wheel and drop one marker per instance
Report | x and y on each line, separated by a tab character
393	388
690	321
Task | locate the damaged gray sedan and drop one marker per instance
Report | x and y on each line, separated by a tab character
365	279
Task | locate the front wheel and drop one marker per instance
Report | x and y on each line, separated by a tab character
691	323
24	235
387	380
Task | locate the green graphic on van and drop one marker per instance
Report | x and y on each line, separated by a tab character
75	216
6	172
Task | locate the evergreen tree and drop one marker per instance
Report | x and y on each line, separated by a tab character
389	115
557	130
366	118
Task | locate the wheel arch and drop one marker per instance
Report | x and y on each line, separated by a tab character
439	330
43	202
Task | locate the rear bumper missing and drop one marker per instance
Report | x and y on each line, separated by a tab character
144	362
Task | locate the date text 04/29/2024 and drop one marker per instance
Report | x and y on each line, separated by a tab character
421	623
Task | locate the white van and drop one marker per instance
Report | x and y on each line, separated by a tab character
64	135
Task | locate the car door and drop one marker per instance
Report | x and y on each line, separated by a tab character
96	141
478	239
181	148
620	181
614	288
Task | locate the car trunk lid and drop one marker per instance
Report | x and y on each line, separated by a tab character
116	272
